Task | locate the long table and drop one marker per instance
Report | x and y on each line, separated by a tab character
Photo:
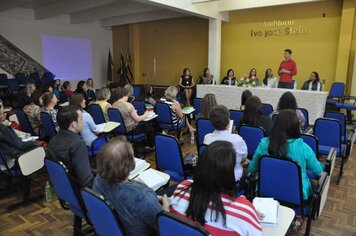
230	96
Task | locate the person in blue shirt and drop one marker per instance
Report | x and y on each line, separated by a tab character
136	204
285	141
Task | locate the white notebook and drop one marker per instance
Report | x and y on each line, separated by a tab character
269	208
152	179
140	165
188	110
107	127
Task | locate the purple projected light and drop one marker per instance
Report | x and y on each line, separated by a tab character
67	58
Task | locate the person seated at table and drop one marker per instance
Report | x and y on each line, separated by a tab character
33	111
208	102
136	204
186	83
146	95
49	101
220	119
10	144
270	81
206	77
55	84
244	96
253	115
89	131
130	92
103	96
90	85
210	200
253	76
176	111
230	78
26	98
288	101
285	141
313	83
82	89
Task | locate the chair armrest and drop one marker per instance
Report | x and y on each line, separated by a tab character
321	183
308	130
330	161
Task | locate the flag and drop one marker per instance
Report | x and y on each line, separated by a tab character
129	70
110	68
122	70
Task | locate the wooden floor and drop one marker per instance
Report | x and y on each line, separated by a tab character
48	218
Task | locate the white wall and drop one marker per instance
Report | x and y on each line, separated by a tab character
19	27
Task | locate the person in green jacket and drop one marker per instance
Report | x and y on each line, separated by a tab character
285	141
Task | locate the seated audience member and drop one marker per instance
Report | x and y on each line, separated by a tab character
91	90
244	96
207	78
89	130
285	141
136	204
186	83
46	88
67	89
103	96
30	88
253	76
177	115
82	89
288	101
130	92
253	115
33	111
207	103
270	81
69	148
220	118
49	102
229	79
130	116
146	94
54	85
313	83
10	144
209	199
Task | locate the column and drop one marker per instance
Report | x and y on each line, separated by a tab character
214	56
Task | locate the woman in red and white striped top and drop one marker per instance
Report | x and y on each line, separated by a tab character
210	198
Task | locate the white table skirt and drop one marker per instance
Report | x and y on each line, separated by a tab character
230	96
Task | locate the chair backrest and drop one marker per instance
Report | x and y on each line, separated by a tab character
197	105
13	86
163	110
267	109
91	95
337	90
32	161
139	106
3	79
236	116
172	225
328	132
97	113
24	121
102	215
21	78
115	115
204	126
280	178
252	136
169	156
3	162
65	188
35	77
136	90
48	125
201	148
306	116
312	141
340	117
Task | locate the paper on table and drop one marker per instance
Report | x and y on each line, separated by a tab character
152	179
231	125
107	127
140	165
269	208
31	138
188	110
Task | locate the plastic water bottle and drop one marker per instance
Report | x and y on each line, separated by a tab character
48	192
192	138
295	84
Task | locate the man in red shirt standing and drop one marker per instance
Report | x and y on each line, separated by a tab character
286	70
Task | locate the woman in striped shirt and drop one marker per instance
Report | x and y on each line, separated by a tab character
210	198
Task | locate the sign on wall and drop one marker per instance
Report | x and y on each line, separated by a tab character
277	28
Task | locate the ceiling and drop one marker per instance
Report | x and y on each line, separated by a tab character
119	12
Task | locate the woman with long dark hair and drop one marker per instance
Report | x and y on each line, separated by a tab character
253	115
313	83
285	141
207	77
270	81
186	82
208	102
210	198
244	96
146	94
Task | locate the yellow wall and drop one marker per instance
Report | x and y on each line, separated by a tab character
316	50
120	35
174	43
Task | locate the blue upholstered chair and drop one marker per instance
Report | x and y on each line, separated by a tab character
197	105
236	116
97	113
252	136
48	125
204	126
267	109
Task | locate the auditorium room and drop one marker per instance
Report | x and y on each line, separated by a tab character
178	117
